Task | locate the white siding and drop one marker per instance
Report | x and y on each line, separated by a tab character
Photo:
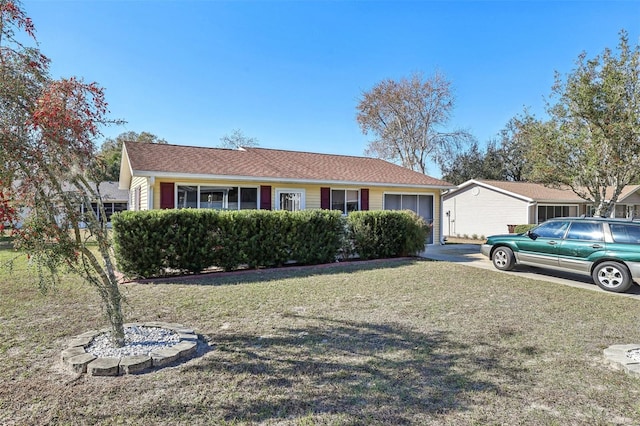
479	211
144	193
631	199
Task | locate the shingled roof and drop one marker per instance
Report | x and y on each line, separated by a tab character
535	191
148	159
540	193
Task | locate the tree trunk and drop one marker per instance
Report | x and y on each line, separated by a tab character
107	285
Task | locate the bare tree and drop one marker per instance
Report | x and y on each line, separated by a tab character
408	118
236	140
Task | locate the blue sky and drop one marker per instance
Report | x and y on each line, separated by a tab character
290	73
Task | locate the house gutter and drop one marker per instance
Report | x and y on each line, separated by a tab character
266	179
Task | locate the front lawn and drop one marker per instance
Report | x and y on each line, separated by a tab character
393	342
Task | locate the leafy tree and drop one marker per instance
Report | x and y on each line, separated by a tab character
474	164
408	118
592	140
47	129
111	152
514	146
236	140
503	159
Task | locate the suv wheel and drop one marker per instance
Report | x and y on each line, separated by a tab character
503	259
612	276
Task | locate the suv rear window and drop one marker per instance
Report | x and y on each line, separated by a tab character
586	231
625	233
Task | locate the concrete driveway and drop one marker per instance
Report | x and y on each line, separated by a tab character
469	254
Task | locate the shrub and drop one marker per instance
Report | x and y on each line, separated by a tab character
160	242
381	234
315	236
521	229
157	242
150	243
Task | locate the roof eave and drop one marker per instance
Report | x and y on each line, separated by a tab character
493	188
160	175
556	201
126	173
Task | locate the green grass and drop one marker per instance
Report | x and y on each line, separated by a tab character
394	342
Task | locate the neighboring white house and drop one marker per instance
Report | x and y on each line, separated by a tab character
488	207
114	199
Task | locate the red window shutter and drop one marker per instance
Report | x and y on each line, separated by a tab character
364	199
265	197
325	198
167	195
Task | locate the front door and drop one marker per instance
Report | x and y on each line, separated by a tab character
291	200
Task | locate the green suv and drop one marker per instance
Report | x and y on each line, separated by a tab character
606	249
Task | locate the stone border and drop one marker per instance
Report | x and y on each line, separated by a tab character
78	360
616	356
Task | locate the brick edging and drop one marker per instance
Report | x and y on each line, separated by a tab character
263	270
77	359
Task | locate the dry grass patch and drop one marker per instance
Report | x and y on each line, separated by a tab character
398	342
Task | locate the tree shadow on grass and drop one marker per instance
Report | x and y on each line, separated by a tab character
352	372
248	276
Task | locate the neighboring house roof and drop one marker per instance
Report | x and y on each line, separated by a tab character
108	190
537	192
111	192
626	192
148	159
527	191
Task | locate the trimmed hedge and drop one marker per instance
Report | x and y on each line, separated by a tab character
386	233
165	242
160	242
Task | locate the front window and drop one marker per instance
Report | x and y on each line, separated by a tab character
187	197
345	200
292	201
549	212
137	198
211	197
624	211
109	209
421	204
117	208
